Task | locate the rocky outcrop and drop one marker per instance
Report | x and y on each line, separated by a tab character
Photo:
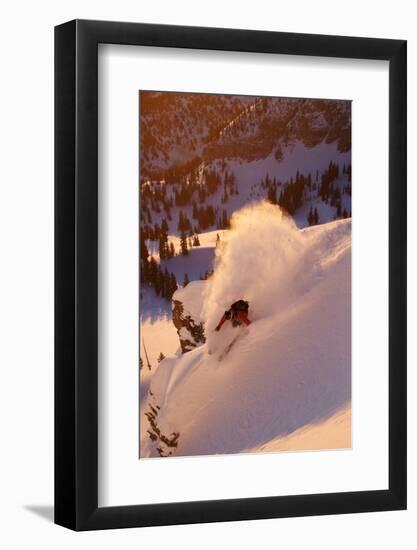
165	445
186	311
187	303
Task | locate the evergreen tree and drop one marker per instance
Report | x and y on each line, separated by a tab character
164	227
196	240
144	252
316	217
173	284
183	244
338	210
153	269
180	221
310	217
272	194
171	250
163	246
186	280
166	291
158	280
225	220
144	272
161	357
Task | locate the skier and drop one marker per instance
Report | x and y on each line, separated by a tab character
237	314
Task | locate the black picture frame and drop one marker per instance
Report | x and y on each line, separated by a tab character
76	272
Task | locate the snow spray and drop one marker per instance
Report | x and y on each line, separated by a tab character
259	260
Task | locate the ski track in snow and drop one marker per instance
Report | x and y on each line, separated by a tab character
292	369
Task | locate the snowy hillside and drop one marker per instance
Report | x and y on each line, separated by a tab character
285	383
244	197
332	433
203	156
175	127
182	129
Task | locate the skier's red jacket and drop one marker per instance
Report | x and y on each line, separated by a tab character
240	316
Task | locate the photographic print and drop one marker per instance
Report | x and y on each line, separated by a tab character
245	274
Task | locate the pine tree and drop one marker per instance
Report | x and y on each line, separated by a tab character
166	290
186	280
316	217
272	194
173	284
338	210
144	272
164	227
144	253
180	225
161	357
310	217
196	240
225	220
183	244
158	280
153	268
171	250
163	247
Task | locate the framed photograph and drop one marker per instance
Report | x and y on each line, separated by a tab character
230	285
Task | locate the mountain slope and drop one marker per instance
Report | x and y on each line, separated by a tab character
181	128
175	126
332	433
291	369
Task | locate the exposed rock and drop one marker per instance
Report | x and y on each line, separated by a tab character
186	315
166	444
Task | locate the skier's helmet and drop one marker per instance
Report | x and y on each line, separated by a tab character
240	305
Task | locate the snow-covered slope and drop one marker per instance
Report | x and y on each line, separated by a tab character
199	260
252	181
204	156
183	128
288	372
176	126
332	433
